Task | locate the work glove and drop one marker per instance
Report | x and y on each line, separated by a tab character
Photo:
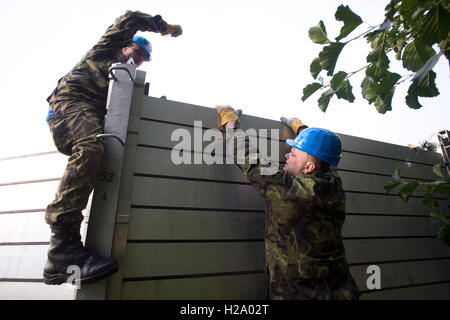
173	29
226	114
294	123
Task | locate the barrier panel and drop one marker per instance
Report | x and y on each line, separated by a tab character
196	230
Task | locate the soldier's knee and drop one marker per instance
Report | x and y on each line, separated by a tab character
90	150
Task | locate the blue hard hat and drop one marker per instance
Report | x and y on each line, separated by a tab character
144	44
320	143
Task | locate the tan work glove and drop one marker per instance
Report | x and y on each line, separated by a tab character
173	29
294	123
227	114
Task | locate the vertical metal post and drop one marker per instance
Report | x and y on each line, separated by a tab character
102	215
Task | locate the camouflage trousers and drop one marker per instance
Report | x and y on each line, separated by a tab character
337	285
74	128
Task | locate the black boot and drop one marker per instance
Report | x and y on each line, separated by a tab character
66	249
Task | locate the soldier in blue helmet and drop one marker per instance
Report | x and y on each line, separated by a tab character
305	211
76	117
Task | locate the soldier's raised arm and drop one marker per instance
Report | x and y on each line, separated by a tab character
125	27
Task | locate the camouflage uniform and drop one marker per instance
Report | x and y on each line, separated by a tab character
304	216
79	104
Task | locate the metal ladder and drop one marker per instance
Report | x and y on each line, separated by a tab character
444	142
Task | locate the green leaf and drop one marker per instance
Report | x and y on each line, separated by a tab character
407	191
337	80
434	26
329	55
426	88
428	196
389	186
369	89
416	54
427	67
342	87
383	104
345	92
318	34
350	19
437	170
324	99
390	10
381	93
439	214
310	89
315	67
388	82
445	47
443	187
409	9
385	92
444	235
377	57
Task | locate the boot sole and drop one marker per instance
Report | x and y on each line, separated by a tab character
60	278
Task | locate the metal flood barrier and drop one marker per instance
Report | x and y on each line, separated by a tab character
195	231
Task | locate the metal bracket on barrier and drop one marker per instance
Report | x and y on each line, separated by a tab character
120	68
110	135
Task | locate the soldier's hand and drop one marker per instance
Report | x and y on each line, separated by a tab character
174	30
227	114
294	123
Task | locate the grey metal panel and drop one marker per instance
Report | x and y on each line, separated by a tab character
25	169
378	250
393	226
24	227
22	261
181	224
236	287
193	194
174	206
160	134
385	204
382	166
35	291
429	292
27	196
172	259
404	273
160	191
361	182
194	225
158	162
167	110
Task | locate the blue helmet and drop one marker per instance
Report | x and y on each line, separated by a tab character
144	44
320	143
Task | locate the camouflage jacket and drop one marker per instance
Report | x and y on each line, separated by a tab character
89	79
304	218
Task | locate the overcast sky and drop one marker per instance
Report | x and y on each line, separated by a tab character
254	55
